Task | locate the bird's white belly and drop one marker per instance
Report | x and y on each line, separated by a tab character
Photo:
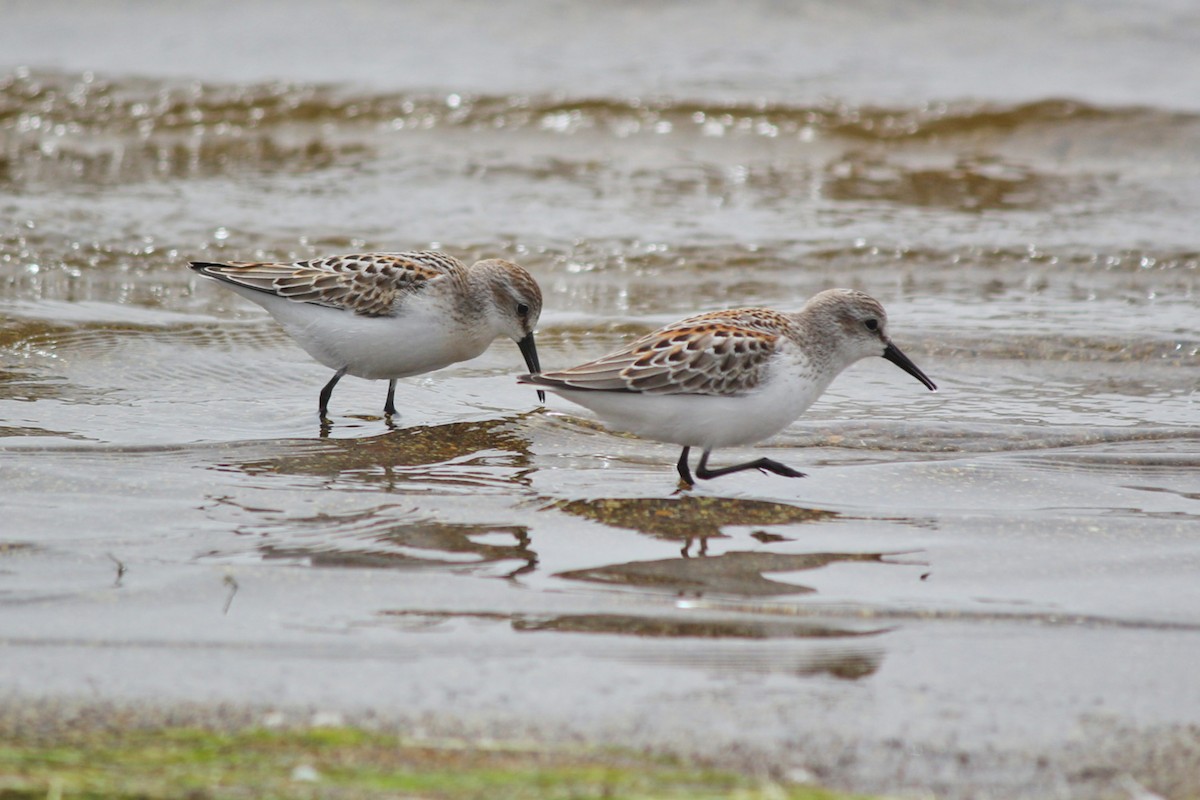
371	347
707	421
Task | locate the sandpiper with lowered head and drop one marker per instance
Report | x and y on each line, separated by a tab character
391	315
730	377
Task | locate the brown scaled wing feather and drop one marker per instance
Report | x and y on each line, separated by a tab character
711	355
368	284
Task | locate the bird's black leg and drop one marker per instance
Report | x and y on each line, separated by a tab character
328	390
764	464
389	407
685	474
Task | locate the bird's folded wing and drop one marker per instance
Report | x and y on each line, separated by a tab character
708	358
369	284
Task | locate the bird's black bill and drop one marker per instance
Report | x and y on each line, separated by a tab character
529	350
893	354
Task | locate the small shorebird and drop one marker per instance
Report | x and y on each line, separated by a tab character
391	315
730	377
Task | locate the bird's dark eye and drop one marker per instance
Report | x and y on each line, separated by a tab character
522	310
872	324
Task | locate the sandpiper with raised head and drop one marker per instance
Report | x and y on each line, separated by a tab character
730	377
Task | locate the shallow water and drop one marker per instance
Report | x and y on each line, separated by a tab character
992	588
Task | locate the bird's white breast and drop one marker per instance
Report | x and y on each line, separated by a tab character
417	340
711	421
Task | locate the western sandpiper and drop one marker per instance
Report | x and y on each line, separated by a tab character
391	315
730	377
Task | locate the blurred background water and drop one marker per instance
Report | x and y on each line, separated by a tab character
966	582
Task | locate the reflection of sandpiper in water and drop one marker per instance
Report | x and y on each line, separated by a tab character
730	377
490	455
691	518
391	315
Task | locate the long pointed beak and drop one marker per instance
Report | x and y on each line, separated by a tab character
893	354
529	350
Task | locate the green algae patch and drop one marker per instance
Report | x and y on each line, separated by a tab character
344	762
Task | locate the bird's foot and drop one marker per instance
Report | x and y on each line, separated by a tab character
768	465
